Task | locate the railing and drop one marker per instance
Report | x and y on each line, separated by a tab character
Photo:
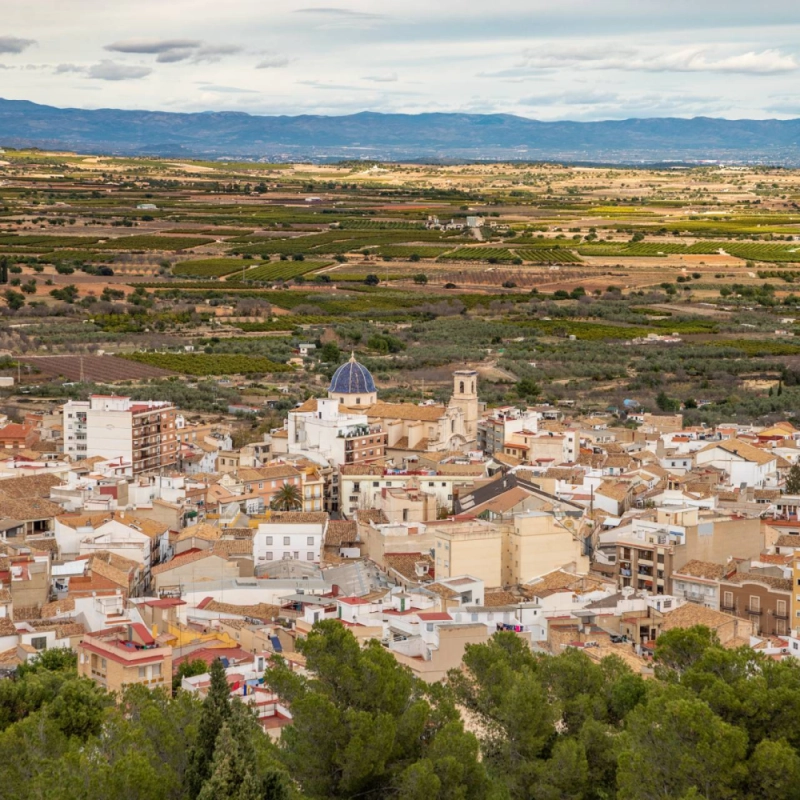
730	607
755	611
781	614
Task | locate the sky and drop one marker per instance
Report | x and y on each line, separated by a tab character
543	59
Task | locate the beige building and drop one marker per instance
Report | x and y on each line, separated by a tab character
436	661
469	548
193	567
400	538
125	655
538	542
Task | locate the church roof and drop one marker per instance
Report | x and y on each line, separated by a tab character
352	378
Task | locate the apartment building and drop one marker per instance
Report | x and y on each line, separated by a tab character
125	655
142	434
645	553
764	600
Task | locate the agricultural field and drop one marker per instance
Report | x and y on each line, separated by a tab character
202	364
208	267
588	284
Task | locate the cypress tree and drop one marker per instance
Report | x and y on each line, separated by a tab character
216	712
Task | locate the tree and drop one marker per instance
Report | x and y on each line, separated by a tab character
363	726
676	743
4	264
216	711
667	403
287	498
793	479
421	278
234	769
680	648
528	389
372	280
330	353
14	300
186	670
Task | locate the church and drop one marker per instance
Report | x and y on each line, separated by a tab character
409	428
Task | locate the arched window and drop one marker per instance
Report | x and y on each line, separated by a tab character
461	387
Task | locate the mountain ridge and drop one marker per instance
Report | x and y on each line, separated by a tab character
375	135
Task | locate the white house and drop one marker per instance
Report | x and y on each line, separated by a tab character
290	538
743	463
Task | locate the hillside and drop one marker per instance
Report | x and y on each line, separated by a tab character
396	136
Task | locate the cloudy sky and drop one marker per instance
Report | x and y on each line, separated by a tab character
546	59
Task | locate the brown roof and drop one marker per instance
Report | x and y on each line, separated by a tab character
616	491
298	517
29	486
109	572
701	569
262	611
443	591
361	469
9	658
494	599
405	564
181	560
406	411
148	527
743	449
251	474
788	540
341	531
30	508
7	626
233	547
202	530
691	614
58	608
367	515
5	597
740	578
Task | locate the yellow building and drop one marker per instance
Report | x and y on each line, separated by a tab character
538	542
127	654
468	548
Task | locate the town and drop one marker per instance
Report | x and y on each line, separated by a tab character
145	543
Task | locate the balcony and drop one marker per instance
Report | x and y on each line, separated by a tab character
728	608
781	614
754	611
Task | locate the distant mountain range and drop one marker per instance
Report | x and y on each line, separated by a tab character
397	136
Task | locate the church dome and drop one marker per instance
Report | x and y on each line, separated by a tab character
352	378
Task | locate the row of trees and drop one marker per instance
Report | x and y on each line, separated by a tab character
712	723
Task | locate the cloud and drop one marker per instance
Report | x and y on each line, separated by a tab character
212	53
63	69
210	87
170	51
339	12
273	61
609	56
15	45
152	46
389	78
108	70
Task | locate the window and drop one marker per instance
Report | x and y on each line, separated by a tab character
102	664
309	556
286	541
156	670
269	540
269	555
142	672
39	643
296	554
429	627
755	603
310	541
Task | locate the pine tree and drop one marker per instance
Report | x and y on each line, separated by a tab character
216	711
793	480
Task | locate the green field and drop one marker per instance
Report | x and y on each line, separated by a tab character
209	267
201	364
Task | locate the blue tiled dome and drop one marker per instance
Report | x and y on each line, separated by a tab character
352	378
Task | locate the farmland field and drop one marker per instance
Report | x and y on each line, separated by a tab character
591	284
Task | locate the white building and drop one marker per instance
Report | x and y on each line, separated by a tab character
142	434
300	541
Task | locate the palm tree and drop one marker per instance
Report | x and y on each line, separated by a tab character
288	498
